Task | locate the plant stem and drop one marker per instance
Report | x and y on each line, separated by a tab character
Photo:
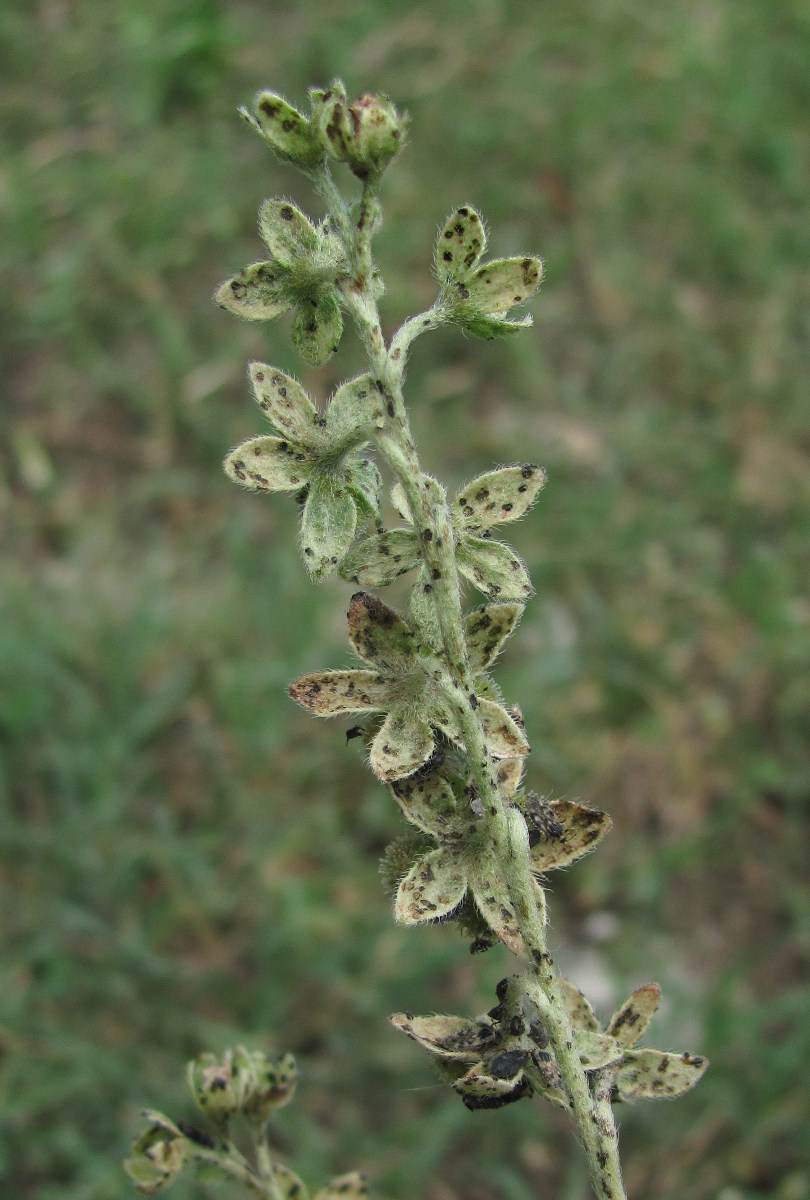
431	517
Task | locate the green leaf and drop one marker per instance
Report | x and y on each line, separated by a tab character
328	523
403	745
455	1038
353	1186
503	283
629	1022
331	693
257	293
378	634
493	568
285	129
288	234
364	483
400	502
460	244
356	407
317	329
574	830
434	887
269	464
497	496
283	401
579	1009
423	609
656	1075
379	560
486	630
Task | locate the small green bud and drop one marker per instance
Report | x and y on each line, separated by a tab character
216	1088
287	132
274	1082
367	134
158	1156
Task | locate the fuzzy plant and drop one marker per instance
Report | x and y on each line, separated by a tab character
438	731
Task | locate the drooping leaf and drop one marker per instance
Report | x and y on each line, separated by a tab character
629	1022
256	293
434	887
656	1075
379	560
460	244
328	523
317	329
288	234
269	464
497	496
486	630
493	568
403	745
453	1038
501	284
331	693
284	402
488	327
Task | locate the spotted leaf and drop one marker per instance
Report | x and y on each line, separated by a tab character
433	888
331	693
403	745
269	464
427	802
478	1089
256	293
460	244
503	283
630	1021
353	1186
317	328
287	1184
453	1038
288	234
572	830
486	630
356	407
379	560
493	568
579	1008
328	523
285	129
378	634
596	1049
656	1075
364	484
497	496
284	402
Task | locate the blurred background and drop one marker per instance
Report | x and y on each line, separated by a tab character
186	859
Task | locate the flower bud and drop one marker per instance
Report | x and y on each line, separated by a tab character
287	132
275	1079
214	1086
366	134
158	1156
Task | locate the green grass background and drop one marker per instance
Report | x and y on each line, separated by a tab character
187	860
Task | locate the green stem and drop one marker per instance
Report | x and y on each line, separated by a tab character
431	517
239	1171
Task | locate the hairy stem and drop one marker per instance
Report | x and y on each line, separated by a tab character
431	516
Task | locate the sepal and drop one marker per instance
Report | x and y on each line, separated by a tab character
290	237
485	631
317	329
460	244
498	496
269	464
630	1021
433	888
287	132
503	283
283	401
256	293
378	560
158	1155
328	523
